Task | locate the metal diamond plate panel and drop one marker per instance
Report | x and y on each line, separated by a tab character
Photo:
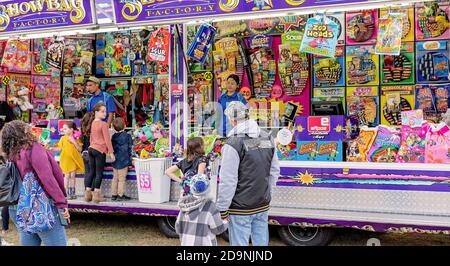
384	201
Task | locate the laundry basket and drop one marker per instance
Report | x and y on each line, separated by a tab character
153	184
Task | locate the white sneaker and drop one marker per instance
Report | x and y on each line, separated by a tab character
5	243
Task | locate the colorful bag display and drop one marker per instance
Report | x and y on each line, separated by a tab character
159	46
358	149
412	149
386	145
437	144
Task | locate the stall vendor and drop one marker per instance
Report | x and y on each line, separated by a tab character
93	87
226	98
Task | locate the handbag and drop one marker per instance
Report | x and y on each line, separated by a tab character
34	209
10	184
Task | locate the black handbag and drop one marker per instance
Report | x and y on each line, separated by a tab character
10	184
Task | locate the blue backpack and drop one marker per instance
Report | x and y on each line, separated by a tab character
34	210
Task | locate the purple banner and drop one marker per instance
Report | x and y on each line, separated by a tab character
134	11
30	15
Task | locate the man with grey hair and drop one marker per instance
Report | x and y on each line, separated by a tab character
249	170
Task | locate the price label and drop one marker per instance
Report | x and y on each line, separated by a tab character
127	68
145	182
208	76
6	80
38	68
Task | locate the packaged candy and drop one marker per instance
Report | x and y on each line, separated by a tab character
389	39
412	149
412	118
357	149
202	43
437	144
386	145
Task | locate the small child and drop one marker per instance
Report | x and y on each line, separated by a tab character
199	221
195	163
71	161
123	150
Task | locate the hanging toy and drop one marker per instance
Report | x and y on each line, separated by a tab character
202	43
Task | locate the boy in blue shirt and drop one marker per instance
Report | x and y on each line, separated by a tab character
231	95
93	87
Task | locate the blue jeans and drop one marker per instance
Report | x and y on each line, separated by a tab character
242	227
55	237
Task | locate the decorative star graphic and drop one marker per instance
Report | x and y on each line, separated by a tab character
306	178
338	128
300	128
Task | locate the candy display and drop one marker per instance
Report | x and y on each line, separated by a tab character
412	149
393	101
227	60
432	21
433	100
362	66
362	27
362	104
398	69
432	62
263	65
385	146
389	38
437	144
320	36
330	71
407	20
293	65
358	148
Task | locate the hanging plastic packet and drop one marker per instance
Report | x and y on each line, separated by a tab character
320	36
55	53
389	39
202	43
159	46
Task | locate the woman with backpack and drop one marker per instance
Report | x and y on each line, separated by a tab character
42	181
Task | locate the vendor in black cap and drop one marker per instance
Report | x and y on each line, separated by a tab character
93	87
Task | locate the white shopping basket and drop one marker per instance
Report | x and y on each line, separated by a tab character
153	184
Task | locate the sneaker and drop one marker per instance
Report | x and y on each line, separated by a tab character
124	197
114	198
5	243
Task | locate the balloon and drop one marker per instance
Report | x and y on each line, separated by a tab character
246	92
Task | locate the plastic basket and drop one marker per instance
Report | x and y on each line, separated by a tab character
153	184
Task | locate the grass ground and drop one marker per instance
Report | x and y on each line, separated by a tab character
126	230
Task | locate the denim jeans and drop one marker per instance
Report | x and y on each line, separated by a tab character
242	227
55	237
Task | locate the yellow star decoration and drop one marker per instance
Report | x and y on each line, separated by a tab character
338	128
53	129
300	129
306	178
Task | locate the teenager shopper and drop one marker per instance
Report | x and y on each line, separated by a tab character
232	94
249	170
100	147
99	96
35	163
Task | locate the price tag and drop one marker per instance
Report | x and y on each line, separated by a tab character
284	136
38	68
145	182
127	68
208	76
6	80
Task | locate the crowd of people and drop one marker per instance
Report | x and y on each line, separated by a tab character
249	170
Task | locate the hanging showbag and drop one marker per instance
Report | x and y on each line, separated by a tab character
202	43
320	36
389	39
55	53
159	46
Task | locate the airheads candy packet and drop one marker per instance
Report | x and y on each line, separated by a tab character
412	149
437	144
319	151
386	145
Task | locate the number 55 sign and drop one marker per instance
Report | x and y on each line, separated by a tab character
145	182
